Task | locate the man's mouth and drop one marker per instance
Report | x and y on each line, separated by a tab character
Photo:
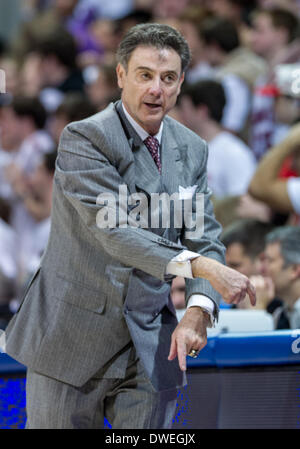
153	106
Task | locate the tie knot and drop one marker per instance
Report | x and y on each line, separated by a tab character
152	143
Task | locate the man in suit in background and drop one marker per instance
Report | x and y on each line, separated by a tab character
282	265
97	328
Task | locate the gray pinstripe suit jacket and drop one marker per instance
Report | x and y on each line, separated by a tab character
99	289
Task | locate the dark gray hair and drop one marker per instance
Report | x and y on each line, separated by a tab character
289	239
249	233
153	35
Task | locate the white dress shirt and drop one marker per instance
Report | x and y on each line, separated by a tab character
230	165
181	264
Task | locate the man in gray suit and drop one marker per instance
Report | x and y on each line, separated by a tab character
97	329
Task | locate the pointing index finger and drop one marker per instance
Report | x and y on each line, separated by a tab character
181	353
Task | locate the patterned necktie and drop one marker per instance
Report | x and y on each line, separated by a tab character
152	144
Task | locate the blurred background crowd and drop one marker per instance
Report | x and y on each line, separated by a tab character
241	94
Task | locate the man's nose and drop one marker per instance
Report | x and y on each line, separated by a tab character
156	88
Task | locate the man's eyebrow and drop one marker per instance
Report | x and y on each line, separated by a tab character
143	68
151	70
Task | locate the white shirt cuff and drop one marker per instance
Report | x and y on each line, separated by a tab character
205	303
180	265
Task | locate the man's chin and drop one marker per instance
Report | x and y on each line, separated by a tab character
152	126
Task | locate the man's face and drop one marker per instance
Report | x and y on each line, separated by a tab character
10	129
265	36
237	259
188	113
274	268
65	7
57	124
191	34
286	109
150	85
221	8
169	8
40	181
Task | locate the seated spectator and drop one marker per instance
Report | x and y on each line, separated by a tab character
282	195
230	164
138	15
37	201
103	87
30	75
282	265
38	191
23	122
286	100
245	243
72	15
189	23
59	71
273	38
169	9
236	67
107	34
8	264
273	30
290	5
10	68
24	141
238	11
76	106
9	144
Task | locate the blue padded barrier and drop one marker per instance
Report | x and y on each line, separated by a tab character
236	374
246	349
9	365
232	349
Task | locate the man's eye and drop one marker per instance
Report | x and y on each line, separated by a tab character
169	78
145	76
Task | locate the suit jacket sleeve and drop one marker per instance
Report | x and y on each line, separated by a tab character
83	172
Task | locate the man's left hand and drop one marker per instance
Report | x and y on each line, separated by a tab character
189	334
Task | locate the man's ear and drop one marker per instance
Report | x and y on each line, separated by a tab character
297	271
180	83
121	72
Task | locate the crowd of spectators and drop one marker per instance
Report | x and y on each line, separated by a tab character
241	94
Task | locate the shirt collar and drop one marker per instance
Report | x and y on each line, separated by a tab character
139	130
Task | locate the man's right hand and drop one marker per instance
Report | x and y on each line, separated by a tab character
232	285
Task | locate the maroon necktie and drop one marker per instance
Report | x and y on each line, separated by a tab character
152	144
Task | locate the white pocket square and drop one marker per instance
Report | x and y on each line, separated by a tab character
186	193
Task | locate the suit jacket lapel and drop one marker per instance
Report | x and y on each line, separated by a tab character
147	177
171	158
